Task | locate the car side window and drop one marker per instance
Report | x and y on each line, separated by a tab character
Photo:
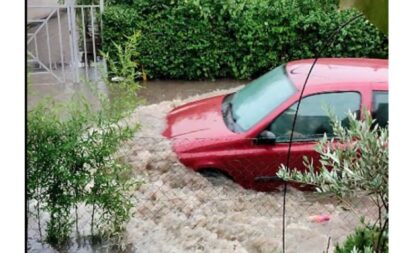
313	118
380	107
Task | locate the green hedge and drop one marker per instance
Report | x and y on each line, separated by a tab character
207	39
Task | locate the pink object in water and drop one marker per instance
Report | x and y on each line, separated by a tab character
320	218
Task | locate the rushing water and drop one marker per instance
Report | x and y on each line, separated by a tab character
177	210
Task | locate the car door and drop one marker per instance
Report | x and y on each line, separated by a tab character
312	122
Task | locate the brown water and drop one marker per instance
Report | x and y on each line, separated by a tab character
177	210
151	93
158	91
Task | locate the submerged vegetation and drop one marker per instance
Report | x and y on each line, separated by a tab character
73	161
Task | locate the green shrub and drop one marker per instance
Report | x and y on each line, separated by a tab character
72	157
346	166
70	162
207	39
354	162
363	240
119	21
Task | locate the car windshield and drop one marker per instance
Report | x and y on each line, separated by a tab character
256	100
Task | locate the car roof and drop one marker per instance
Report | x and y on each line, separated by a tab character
336	71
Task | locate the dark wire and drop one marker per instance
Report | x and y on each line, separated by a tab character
331	40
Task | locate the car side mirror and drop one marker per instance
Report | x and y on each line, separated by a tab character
266	137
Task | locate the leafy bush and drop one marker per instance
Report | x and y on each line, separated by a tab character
346	165
363	241
122	92
354	162
72	159
70	162
204	39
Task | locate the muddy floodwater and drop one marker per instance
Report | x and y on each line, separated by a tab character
178	210
151	93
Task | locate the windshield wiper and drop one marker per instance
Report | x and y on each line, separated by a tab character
229	111
229	118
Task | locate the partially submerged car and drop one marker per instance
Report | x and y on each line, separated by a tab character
245	135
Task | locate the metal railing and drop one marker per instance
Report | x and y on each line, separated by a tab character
63	42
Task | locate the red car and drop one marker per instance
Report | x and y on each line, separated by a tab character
244	135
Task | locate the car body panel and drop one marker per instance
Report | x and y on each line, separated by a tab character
336	71
197	122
